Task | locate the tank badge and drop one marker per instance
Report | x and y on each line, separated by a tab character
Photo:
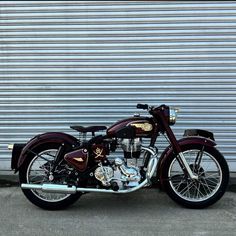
79	159
144	126
98	152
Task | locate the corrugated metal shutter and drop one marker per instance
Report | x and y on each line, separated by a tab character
90	62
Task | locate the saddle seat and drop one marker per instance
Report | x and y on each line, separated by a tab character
92	129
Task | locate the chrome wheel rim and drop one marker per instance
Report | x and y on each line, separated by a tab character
209	177
38	174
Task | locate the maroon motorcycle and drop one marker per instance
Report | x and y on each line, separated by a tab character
55	169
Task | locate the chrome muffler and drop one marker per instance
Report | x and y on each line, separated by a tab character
51	188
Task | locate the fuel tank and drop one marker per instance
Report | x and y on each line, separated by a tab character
142	127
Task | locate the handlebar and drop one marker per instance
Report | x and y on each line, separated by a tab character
142	106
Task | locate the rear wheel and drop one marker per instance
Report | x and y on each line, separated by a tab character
37	170
212	171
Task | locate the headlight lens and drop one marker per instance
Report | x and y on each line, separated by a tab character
173	115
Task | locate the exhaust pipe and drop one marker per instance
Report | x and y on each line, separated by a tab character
57	188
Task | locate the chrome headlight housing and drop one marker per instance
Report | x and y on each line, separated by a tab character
173	115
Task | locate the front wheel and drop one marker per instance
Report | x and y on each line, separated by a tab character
212	171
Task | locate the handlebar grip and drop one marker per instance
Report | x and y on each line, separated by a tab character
142	106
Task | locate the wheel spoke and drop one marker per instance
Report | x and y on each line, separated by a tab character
200	192
183	191
178	185
187	192
36	178
210	187
211	175
211	180
205	187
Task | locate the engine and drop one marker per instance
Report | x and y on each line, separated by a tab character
123	172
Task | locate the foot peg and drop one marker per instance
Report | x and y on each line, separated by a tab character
114	186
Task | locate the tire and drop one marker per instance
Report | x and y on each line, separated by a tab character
37	197
212	171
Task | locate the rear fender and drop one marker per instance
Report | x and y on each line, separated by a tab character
51	137
169	152
16	151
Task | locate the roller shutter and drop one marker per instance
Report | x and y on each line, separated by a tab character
91	62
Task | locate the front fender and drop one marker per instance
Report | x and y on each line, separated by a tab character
53	137
168	153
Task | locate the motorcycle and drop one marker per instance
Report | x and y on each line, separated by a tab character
56	169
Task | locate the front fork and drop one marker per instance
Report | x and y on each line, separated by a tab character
185	166
180	156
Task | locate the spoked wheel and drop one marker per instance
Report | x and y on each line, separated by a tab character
37	170
212	171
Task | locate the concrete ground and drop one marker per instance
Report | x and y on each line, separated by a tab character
146	212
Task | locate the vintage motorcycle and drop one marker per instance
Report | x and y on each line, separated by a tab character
55	169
